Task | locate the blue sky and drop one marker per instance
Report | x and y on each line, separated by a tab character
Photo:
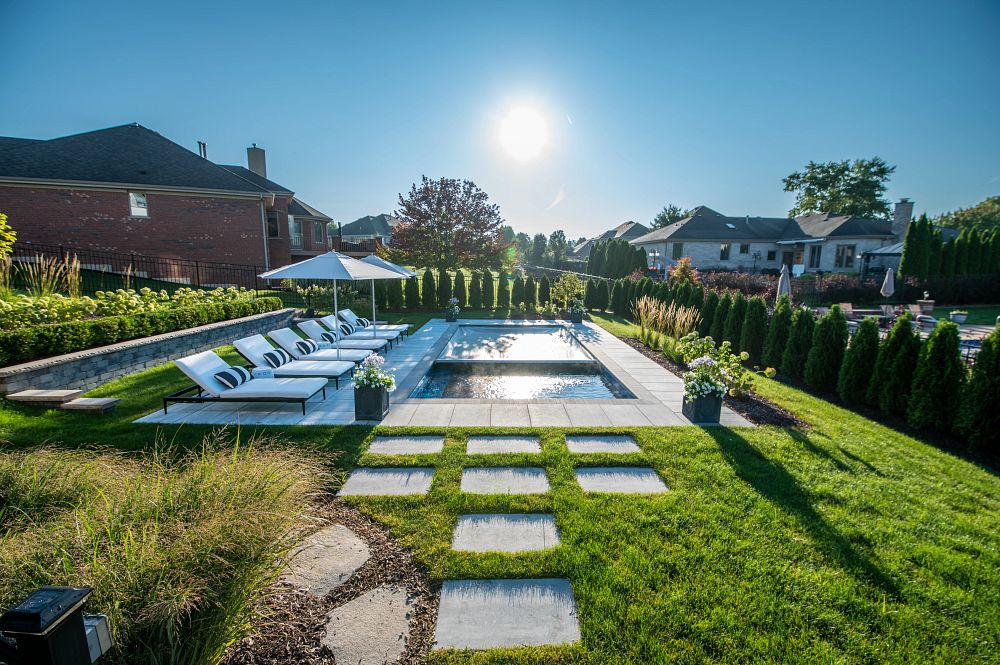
646	103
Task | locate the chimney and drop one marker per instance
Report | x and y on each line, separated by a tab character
256	161
202	149
901	215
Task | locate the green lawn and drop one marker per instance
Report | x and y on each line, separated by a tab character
843	542
978	314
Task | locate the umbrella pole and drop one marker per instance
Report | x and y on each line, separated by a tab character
336	327
373	308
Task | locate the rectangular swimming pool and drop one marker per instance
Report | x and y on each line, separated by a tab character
498	362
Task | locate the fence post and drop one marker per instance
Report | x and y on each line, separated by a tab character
197	273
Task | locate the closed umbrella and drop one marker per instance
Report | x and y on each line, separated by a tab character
888	284
373	260
784	282
334	266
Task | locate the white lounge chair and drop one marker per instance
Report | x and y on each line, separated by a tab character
289	340
202	368
256	347
348	316
318	333
349	331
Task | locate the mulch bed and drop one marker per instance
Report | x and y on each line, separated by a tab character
753	407
291	622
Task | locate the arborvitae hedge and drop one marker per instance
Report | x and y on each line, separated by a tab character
663	293
708	313
827	352
754	330
489	297
590	295
718	328
413	293
476	291
734	321
697	296
602	299
503	297
979	415
892	376
429	291
530	292
777	333
793	359
859	361
395	289
460	291
618	297
544	290
517	294
444	288
381	293
937	381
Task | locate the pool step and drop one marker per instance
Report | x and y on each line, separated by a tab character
45	397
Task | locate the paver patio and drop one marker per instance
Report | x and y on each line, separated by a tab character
388	481
620	480
526	532
504	480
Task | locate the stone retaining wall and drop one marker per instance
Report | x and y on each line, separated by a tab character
93	367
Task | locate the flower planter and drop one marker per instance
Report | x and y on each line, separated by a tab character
926	306
370	403
576	317
958	318
450	317
702	409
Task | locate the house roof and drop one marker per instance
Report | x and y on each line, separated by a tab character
128	154
300	208
624	231
703	223
258	180
14	142
370	225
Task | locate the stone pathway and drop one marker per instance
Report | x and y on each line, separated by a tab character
407	445
504	480
601	443
524	532
488	445
371	629
326	559
620	480
388	481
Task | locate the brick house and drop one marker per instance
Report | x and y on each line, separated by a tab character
814	243
128	189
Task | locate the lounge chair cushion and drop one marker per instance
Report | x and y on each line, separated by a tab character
306	346
292	388
233	376
353	355
327	368
277	357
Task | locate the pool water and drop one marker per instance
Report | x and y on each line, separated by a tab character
519	381
514	343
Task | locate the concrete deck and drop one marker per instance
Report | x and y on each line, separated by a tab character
658	393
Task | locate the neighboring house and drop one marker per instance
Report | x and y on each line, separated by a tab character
890	256
370	227
625	231
811	243
129	189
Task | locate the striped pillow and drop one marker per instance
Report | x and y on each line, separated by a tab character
329	337
364	322
277	357
306	346
346	329
233	376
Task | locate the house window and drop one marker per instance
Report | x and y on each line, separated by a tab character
772	254
678	250
318	232
294	232
744	249
815	253
724	251
845	256
272	225
137	204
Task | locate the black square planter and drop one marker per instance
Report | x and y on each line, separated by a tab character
450	318
370	403
702	409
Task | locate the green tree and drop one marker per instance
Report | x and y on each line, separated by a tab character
539	245
734	321
708	313
948	259
619	297
530	292
827	352
444	288
429	291
668	216
590	295
892	375
962	253
937	381
973	253
793	358
934	253
544	290
517	293
978	418
982	216
916	249
558	248
844	188
718	329
602	297
395	294
754	330
697	296
856	372
596	260
413	293
7	236
460	291
488	292
476	291
447	223
503	294
777	333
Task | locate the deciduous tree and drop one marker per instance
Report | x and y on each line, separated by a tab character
842	188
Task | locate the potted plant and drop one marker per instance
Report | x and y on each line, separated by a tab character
704	387
926	305
959	315
576	310
451	312
372	386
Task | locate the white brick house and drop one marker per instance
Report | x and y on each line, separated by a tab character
813	243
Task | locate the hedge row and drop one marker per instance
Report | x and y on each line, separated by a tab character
25	344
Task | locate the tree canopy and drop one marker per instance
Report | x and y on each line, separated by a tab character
984	216
7	236
843	188
447	223
668	216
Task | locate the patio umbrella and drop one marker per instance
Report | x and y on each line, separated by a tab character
888	284
784	282
334	266
373	260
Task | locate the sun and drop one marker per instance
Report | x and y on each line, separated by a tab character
523	133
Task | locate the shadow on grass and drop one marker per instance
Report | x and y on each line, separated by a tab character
774	483
818	451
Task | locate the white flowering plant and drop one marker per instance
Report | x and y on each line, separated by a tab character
576	306
725	367
453	307
704	379
371	375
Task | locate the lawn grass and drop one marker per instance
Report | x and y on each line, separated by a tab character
985	315
842	542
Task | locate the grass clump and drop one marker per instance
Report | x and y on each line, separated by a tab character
177	546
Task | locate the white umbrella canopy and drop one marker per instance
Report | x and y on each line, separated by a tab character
334	266
784	282
388	265
888	284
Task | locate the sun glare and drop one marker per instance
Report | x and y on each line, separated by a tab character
523	134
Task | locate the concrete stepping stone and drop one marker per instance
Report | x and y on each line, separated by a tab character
487	445
371	629
488	614
45	396
620	480
505	480
601	443
326	559
524	532
388	481
406	445
95	404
